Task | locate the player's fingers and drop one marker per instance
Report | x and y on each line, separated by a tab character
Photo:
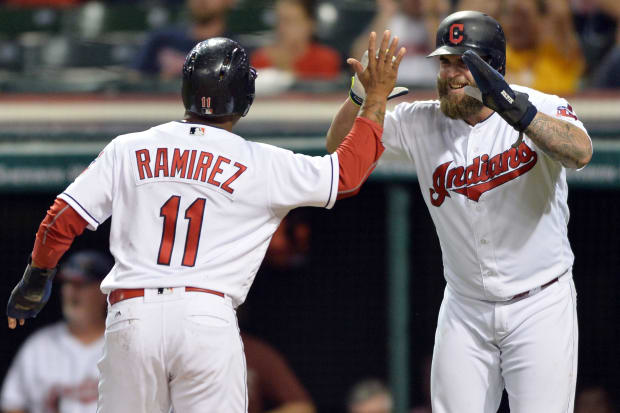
372	47
383	49
355	65
12	323
399	58
391	51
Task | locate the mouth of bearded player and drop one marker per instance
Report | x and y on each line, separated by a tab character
446	86
457	86
454	103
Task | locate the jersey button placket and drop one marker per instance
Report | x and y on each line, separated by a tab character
486	249
476	211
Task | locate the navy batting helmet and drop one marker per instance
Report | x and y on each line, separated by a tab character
472	30
218	79
86	266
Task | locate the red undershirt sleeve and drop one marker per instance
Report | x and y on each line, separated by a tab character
358	155
56	233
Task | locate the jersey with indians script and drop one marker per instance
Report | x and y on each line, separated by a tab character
501	214
195	205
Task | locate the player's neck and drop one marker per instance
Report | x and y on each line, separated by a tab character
481	116
225	124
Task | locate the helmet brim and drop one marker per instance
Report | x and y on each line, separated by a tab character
450	50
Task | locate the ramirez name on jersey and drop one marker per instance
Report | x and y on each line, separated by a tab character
188	165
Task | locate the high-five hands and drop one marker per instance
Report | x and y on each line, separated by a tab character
378	75
357	92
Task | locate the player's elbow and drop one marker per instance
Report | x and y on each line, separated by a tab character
331	143
583	155
579	153
581	163
586	156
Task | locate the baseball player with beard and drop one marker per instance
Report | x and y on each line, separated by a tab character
194	207
491	162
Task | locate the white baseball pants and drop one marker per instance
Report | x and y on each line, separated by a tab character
173	349
528	346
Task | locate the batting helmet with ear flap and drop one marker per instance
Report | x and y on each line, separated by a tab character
218	80
472	30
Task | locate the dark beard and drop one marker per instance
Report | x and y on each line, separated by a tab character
452	106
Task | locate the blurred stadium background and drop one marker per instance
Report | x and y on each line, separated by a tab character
363	300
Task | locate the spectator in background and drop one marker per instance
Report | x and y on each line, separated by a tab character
414	22
490	7
272	385
608	73
290	244
295	49
369	396
164	52
593	399
542	50
56	368
596	23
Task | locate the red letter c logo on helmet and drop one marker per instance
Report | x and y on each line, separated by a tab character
456	33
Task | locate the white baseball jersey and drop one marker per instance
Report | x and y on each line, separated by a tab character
501	214
53	372
195	205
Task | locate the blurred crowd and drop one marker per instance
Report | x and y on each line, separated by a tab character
556	46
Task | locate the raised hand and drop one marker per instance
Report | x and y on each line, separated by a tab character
357	92
379	76
494	92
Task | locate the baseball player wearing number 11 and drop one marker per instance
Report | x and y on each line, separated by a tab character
491	162
194	207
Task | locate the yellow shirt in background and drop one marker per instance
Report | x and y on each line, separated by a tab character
545	68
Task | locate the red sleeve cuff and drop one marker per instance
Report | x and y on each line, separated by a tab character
377	128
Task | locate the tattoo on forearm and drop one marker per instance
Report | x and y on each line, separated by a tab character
374	111
560	140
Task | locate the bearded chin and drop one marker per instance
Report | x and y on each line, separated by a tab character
456	107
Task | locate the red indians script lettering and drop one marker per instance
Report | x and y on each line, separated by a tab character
187	165
482	175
